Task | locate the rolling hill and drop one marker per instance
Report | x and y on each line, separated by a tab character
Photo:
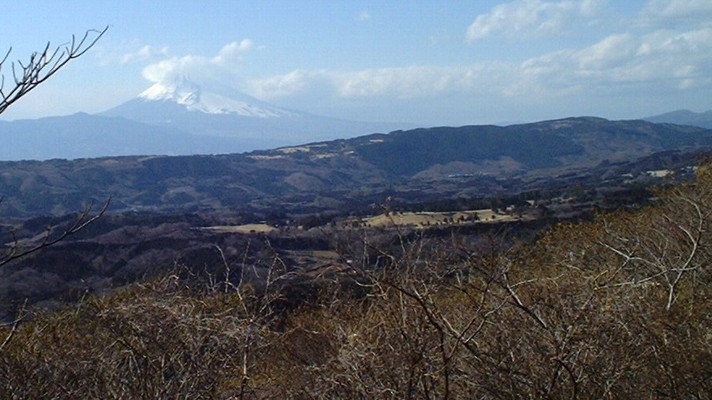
684	117
440	161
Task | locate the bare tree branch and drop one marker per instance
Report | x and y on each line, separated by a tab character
42	65
13	328
16	250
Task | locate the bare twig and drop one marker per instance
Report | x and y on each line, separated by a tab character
83	220
42	65
14	325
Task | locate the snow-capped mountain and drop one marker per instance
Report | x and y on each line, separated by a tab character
220	112
180	118
187	93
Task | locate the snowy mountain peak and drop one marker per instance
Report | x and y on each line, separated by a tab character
182	91
187	93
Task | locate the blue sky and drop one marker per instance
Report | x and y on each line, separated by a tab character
427	62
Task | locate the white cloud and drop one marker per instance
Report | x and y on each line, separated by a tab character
637	60
144	53
416	81
223	65
675	12
364	16
400	82
656	60
397	82
231	50
523	19
128	53
281	85
608	53
592	8
617	63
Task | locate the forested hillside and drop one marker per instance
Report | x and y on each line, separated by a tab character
616	307
444	162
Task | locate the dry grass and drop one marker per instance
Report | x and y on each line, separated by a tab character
246	228
620	307
431	218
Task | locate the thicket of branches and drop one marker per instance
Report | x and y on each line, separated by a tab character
620	307
20	77
17	79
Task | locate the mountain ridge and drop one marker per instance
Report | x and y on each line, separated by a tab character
182	119
425	162
186	106
684	117
187	93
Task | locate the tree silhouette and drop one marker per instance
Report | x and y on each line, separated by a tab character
25	77
41	66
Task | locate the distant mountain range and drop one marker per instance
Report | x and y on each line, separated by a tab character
183	118
684	117
176	119
418	163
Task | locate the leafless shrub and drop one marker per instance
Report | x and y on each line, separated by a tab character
51	236
26	76
573	316
583	313
160	339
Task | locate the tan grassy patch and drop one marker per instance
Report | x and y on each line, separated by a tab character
247	228
290	150
261	157
426	218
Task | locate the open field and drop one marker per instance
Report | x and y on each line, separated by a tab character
421	219
247	228
430	218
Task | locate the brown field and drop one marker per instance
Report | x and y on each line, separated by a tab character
426	218
422	219
247	228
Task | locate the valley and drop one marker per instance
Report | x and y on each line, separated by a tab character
301	201
319	200
389	237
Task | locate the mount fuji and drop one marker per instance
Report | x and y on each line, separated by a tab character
180	118
189	94
251	124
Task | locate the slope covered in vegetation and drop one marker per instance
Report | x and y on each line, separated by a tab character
618	307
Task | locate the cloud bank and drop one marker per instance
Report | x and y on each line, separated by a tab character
146	52
664	57
651	53
532	18
222	66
